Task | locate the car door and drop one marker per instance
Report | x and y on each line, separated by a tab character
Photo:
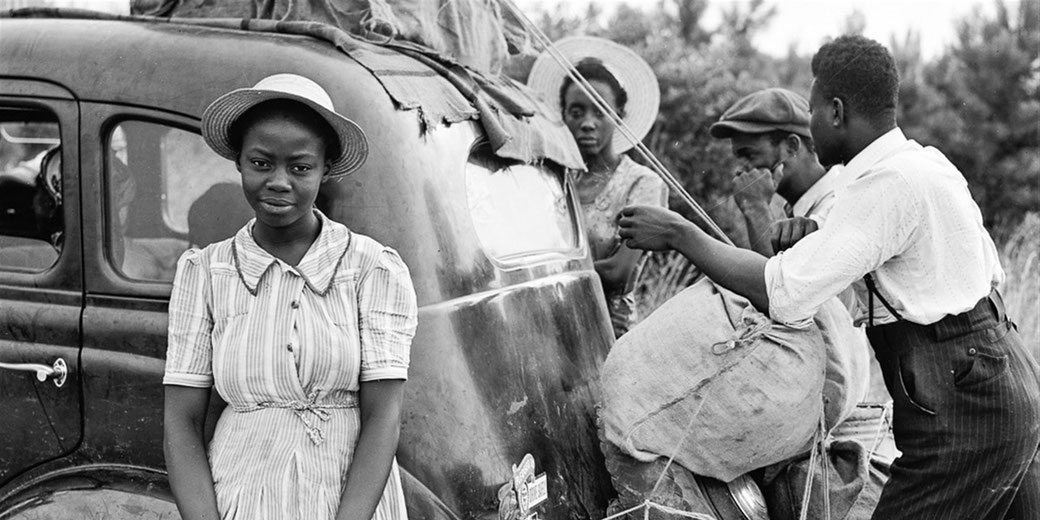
145	172
41	289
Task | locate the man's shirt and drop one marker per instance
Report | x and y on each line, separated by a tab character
905	215
817	201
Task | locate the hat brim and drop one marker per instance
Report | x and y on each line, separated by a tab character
632	72
222	113
726	129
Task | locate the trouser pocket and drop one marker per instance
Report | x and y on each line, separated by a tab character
913	388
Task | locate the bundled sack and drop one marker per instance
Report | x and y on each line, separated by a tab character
847	474
746	390
848	362
679	489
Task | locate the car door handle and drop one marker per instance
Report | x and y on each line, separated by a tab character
59	371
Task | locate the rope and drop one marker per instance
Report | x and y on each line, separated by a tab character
883	425
647	505
604	107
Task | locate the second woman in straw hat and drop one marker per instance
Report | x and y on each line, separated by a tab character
611	179
301	325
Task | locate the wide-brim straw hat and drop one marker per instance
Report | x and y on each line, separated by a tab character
631	71
222	113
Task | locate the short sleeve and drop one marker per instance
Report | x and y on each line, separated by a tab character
189	351
387	318
648	190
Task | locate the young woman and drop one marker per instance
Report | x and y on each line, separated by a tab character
302	325
611	179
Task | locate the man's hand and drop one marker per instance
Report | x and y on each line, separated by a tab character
788	232
755	187
651	228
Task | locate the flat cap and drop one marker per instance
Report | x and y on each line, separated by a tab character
764	111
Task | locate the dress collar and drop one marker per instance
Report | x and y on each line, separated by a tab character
317	268
879	149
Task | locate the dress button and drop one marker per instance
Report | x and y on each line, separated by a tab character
295	304
972	351
289	347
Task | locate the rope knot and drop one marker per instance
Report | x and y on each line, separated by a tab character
754	325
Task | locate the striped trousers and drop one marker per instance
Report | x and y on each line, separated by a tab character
966	396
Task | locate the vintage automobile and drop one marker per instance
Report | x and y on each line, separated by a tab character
105	180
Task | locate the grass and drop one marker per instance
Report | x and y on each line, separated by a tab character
1020	256
666	274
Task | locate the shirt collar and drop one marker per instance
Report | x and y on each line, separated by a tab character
818	191
879	149
317	268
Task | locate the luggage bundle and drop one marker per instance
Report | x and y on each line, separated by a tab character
712	381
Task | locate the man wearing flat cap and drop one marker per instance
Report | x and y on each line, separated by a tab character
769	133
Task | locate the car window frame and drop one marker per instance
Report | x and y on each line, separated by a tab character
98	119
64	274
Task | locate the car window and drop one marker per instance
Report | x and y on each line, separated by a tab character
31	217
165	191
519	210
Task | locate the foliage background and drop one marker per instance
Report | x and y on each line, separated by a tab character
978	102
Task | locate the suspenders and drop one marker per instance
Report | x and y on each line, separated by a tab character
872	291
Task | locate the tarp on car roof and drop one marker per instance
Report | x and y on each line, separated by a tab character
478	34
440	89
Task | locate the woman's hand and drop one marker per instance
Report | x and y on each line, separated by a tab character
374	454
184	445
651	228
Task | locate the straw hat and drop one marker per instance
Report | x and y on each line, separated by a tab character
222	113
634	75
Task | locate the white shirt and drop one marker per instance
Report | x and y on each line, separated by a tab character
818	200
848	363
907	216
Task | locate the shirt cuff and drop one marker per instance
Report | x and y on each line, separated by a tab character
376	374
779	307
189	380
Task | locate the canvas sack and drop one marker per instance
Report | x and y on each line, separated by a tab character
712	380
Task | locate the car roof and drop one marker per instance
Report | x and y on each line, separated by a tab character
178	67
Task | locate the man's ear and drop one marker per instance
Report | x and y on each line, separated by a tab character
238	164
327	170
838	115
793	143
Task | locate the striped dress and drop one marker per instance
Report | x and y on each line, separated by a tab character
287	348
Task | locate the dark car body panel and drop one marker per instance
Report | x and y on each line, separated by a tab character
507	355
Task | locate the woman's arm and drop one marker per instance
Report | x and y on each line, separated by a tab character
380	429
616	270
185	448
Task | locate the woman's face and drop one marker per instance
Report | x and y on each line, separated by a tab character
592	129
282	163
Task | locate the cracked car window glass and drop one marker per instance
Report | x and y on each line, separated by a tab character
31	217
166	191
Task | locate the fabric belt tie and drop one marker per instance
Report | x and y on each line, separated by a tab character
310	412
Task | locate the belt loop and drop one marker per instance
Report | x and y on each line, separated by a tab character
998	305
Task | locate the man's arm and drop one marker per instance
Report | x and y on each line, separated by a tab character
659	229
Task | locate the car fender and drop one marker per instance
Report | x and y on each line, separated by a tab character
114	492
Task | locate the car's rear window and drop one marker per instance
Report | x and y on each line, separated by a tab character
520	211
